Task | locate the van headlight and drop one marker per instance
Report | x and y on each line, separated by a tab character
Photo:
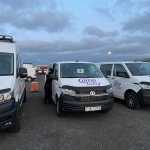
68	92
5	97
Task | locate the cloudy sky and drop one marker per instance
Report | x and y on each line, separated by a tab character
54	30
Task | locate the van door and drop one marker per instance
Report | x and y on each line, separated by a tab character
55	85
119	79
20	83
106	69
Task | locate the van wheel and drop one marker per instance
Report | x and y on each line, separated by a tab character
132	100
58	108
16	125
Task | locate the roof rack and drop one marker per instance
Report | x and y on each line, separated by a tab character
6	38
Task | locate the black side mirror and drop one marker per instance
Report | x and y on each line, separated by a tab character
50	71
23	72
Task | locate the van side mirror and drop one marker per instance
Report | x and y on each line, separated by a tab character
122	74
23	72
50	71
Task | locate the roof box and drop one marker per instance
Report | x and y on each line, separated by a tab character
6	38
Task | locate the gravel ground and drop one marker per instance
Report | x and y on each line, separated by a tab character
119	129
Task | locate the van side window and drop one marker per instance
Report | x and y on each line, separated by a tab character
119	71
106	69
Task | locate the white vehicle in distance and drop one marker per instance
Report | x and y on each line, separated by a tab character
80	86
12	87
31	70
130	81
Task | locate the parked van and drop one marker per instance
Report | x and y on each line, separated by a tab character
31	70
80	86
130	81
12	87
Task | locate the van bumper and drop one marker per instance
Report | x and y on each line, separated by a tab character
7	113
78	104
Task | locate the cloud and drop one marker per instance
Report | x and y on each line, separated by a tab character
60	45
95	31
105	12
28	4
138	23
87	49
123	3
32	18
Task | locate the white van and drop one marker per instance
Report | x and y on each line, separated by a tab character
12	84
31	70
80	86
130	81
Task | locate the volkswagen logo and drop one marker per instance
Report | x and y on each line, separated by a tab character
92	93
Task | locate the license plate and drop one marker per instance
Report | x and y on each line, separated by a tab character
96	108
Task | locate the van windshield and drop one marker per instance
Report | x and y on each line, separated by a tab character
6	64
139	69
79	70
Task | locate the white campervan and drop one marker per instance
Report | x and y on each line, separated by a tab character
130	81
12	84
80	86
31	70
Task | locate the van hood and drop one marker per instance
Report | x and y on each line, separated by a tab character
142	78
84	82
6	82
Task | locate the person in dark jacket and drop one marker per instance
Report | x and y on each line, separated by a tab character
48	87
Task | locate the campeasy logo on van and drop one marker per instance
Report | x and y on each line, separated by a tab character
84	82
91	82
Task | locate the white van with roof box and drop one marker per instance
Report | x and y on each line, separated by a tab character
80	86
12	87
130	81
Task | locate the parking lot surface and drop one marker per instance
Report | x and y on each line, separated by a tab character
119	129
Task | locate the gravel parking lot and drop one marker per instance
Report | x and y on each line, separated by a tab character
121	128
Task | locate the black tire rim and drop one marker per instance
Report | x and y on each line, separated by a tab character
131	101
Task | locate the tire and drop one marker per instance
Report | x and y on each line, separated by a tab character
58	108
132	100
16	125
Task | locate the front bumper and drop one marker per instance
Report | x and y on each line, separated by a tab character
71	103
7	113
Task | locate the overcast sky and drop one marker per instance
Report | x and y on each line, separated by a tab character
53	30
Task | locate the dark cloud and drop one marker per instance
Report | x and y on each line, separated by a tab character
138	23
95	31
87	49
28	4
61	45
50	20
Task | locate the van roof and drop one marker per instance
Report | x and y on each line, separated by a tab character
121	62
64	62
